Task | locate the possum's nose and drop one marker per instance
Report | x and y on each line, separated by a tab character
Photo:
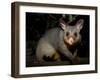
70	40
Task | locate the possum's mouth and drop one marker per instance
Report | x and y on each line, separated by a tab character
70	43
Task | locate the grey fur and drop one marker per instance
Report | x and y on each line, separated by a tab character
53	40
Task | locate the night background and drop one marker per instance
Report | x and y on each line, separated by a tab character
38	23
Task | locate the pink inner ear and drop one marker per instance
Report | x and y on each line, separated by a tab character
78	28
79	24
63	26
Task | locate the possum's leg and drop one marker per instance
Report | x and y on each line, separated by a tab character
76	58
45	49
75	53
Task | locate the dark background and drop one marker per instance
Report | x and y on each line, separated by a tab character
38	23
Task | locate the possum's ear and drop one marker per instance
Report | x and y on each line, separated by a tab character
79	24
62	24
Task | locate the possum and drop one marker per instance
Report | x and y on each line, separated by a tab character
58	41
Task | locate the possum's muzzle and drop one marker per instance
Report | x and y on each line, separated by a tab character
69	41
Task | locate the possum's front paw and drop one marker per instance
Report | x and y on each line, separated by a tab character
76	60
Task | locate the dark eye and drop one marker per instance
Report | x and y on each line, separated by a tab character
67	33
75	34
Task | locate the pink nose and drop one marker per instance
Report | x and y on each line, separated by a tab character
70	40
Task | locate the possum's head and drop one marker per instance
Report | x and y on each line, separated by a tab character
72	33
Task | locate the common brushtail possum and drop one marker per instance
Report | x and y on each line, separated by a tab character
60	40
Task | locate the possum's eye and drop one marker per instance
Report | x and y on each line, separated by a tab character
67	33
75	34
